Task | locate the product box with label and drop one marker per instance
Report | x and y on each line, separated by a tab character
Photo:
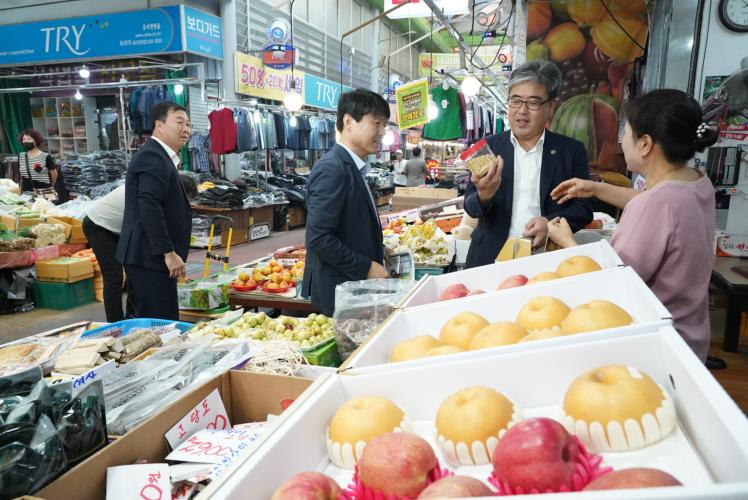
247	397
731	245
707	449
64	270
621	286
406	198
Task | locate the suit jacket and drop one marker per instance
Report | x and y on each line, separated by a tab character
563	158
343	234
158	217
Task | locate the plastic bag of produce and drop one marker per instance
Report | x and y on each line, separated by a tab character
360	306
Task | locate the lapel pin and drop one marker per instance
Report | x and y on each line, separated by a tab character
553	151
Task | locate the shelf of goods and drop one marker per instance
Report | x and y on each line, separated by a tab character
67	124
701	440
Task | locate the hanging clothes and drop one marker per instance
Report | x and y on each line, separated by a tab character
446	126
222	131
279	120
246	135
304	130
149	98
199	148
271	135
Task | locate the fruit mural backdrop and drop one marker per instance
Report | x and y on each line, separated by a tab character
595	43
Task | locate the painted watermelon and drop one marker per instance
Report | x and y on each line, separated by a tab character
592	119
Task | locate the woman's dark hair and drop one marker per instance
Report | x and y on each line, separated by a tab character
416	152
190	186
670	117
359	103
38	139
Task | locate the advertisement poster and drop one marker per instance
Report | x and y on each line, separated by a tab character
412	99
595	46
255	79
725	109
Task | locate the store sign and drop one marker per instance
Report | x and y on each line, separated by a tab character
203	34
412	101
164	30
418	8
255	79
451	62
278	56
322	93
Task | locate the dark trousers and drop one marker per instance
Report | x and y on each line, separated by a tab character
104	244
155	293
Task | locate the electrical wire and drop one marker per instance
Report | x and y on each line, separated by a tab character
501	45
619	25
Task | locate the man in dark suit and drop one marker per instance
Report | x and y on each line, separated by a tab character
343	234
513	198
154	242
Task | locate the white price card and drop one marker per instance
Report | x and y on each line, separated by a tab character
256	429
212	446
146	481
207	414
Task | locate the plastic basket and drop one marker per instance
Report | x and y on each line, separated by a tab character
129	324
63	296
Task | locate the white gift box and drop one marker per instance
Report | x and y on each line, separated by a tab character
708	451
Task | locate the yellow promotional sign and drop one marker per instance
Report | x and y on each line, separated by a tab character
255	79
412	100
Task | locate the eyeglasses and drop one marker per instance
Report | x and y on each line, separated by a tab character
532	104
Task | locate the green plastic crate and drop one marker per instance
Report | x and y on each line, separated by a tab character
326	355
422	271
63	296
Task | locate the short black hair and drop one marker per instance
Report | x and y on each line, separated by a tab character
359	103
670	117
190	186
161	110
416	151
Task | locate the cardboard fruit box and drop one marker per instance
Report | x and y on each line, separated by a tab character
620	285
76	229
64	270
247	397
707	451
488	277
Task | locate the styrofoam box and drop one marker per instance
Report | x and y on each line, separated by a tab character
620	285
707	452
488	277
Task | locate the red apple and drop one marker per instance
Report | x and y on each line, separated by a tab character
308	486
595	62
454	292
456	487
538	454
513	281
397	463
638	477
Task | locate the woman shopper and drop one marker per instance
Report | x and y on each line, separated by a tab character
37	168
666	231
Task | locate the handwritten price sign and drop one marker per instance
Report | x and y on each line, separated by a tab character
211	446
207	414
145	482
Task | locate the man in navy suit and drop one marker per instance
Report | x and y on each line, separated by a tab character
513	198
155	238
343	234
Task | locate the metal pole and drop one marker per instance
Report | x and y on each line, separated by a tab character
124	126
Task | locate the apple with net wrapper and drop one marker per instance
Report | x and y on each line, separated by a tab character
479	158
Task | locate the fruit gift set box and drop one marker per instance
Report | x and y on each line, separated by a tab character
677	420
540	309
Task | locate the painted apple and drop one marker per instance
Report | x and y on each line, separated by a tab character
638	477
595	315
578	264
513	281
413	348
456	291
542	313
538	454
456	487
397	463
308	486
460	330
498	334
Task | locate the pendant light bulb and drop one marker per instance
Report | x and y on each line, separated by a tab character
470	86
178	89
293	101
78	95
432	111
389	138
293	121
84	73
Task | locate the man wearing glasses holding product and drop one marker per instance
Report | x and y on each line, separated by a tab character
513	198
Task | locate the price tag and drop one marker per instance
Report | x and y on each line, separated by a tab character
255	430
207	414
143	482
212	446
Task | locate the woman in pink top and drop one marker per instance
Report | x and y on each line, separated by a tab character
665	233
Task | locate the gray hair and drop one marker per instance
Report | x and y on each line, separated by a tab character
545	73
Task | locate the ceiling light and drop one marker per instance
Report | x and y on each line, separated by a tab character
84	73
470	86
432	111
389	138
253	102
178	89
78	95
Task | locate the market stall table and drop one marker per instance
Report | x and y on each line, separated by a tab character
254	300
730	274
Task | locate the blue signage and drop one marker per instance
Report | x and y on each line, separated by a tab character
322	93
164	30
202	33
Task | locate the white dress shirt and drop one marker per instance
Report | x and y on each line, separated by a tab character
174	156
363	168
109	211
526	197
